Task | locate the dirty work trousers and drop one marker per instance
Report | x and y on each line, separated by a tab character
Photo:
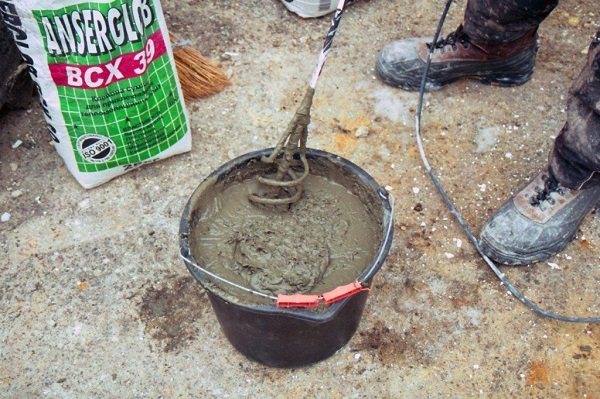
575	158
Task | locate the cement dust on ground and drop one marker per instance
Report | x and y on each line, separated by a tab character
90	279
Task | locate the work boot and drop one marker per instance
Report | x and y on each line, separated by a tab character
401	63
538	222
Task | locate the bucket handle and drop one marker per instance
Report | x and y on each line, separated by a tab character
295	300
224	280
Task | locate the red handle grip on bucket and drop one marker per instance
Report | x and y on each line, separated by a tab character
343	291
312	301
297	301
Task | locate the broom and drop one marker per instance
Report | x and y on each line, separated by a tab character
199	77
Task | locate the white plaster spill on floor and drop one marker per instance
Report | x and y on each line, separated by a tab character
486	138
394	105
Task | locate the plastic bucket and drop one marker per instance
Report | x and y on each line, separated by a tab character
284	337
311	8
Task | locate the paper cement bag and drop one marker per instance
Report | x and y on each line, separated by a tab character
107	82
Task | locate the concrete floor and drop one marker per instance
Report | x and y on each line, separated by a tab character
96	303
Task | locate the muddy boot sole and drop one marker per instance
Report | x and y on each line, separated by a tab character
512	237
508	72
506	257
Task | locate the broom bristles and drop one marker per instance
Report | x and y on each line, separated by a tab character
199	77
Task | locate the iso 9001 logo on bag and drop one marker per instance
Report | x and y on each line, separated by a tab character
96	148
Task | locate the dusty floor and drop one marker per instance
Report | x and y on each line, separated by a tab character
96	303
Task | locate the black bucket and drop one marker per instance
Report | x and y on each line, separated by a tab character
287	337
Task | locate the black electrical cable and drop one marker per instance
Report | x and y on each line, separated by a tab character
515	292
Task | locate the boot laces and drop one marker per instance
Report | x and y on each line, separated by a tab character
458	36
544	194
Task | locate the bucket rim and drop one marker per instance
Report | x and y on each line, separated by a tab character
366	276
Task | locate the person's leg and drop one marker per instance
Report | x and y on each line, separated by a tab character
496	45
492	21
575	159
543	217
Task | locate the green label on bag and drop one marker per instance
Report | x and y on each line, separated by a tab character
116	84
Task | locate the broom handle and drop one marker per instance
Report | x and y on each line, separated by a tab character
335	21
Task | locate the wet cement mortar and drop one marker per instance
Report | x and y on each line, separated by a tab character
96	303
325	240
